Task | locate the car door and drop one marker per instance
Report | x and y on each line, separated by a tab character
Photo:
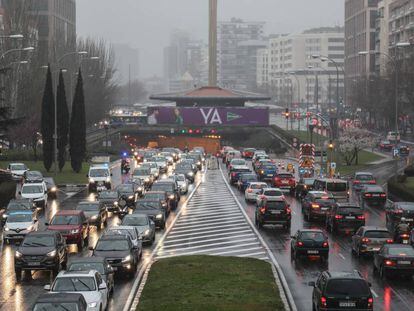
44	191
61	247
317	291
356	238
103	292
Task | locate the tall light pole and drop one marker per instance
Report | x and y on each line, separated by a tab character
212	73
293	73
393	60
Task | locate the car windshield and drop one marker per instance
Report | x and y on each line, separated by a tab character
131	233
98	172
112	245
325	201
56	306
238	162
31	189
135	220
285	176
273	193
401	251
364	177
19	218
65	220
14	206
74	284
347	287
406	206
18	167
38	240
34	174
108	195
336	186
142	172
180	178
377	234
309	182
86	266
154	196
88	207
149	204
162	187
311	235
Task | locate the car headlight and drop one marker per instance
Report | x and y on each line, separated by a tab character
202	159
4	215
198	163
156	174
116	203
146	232
135	153
92	304
6	229
74	231
108	179
146	180
190	174
18	254
171	196
51	254
94	217
91	180
127	259
53	189
139	189
159	216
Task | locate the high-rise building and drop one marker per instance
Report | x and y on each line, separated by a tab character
295	60
56	20
360	34
238	43
126	62
382	36
263	68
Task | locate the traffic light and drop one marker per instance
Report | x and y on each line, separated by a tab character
183	131
287	113
331	145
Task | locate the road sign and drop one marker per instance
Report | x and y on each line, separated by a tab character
290	167
396	152
333	165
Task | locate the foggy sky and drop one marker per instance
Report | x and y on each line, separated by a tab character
147	24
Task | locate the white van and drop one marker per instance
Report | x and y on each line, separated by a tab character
99	176
37	192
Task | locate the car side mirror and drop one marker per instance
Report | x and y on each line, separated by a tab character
35	220
313	284
91	248
20	192
369	284
46	224
152	223
87	176
111	270
102	286
47	287
111	174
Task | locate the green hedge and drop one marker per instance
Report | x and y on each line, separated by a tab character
400	190
7	192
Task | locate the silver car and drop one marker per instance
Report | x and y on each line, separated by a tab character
144	225
131	231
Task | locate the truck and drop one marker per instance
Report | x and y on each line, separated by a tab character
99	175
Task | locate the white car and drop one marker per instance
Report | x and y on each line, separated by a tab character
37	192
88	283
99	176
237	163
182	183
132	232
269	194
17	170
18	224
161	162
393	136
250	194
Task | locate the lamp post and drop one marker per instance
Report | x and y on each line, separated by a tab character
293	73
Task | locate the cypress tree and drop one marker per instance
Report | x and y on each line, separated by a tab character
77	135
48	121
62	121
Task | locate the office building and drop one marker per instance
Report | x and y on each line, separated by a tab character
126	63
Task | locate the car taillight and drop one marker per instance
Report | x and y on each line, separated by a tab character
288	210
339	216
365	240
389	241
370	302
383	195
368	195
249	190
389	263
372	182
323	301
360	217
325	244
233	174
262	210
404	235
299	244
398	211
315	206
357	182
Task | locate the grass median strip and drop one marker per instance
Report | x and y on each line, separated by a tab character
210	283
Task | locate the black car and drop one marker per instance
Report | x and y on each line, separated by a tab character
16	205
41	250
397	259
120	253
345	216
234	174
109	199
303	187
60	301
317	204
154	209
95	212
32	177
128	192
99	264
309	242
273	213
185	169
341	291
52	189
198	159
373	195
398	210
245	179
171	188
370	239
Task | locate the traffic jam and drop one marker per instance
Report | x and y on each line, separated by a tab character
86	249
320	226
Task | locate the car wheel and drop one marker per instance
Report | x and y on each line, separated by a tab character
162	225
357	252
382	273
81	244
374	268
153	239
18	273
6	241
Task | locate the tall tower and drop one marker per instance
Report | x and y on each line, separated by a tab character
212	74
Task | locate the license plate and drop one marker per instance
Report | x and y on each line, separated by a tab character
324	208
350	217
375	195
269	175
348	304
34	263
404	262
313	252
376	249
409	219
405	241
285	182
275	212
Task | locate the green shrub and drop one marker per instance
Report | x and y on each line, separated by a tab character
399	190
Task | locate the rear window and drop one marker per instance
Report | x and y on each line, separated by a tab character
336	186
347	287
401	251
406	206
377	234
314	236
364	177
269	167
349	207
238	162
249	177
273	193
325	201
279	205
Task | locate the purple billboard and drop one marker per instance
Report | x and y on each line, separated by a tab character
206	116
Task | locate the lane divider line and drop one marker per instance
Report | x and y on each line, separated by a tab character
280	279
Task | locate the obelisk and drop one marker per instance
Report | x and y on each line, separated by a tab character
212	72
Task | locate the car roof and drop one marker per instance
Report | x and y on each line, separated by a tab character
33	184
69	212
344	275
23	212
16	163
60	297
369	228
310	230
77	273
73	259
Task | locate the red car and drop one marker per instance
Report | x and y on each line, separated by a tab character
386	145
73	225
285	181
248	153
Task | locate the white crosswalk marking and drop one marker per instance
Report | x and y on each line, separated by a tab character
212	224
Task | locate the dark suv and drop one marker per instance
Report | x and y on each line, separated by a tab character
345	216
398	210
317	204
341	290
171	189
273	213
41	250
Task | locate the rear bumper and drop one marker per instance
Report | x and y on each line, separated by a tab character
304	251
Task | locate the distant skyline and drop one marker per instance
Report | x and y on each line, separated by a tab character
147	25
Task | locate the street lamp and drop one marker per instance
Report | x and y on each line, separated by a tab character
26	49
16	36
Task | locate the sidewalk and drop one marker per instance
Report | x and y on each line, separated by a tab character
386	157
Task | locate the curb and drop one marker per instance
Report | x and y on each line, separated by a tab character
284	290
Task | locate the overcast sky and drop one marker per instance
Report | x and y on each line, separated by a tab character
147	24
